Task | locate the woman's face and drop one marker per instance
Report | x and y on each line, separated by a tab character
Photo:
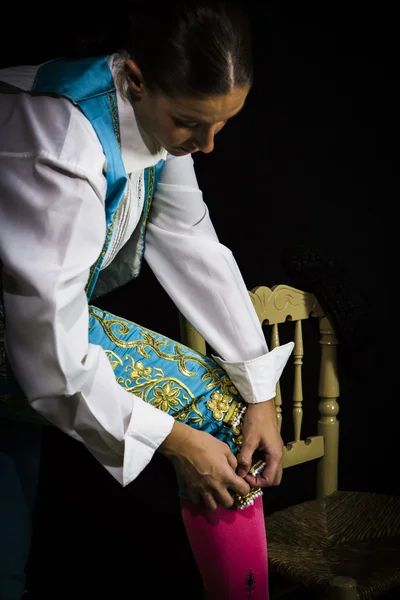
187	125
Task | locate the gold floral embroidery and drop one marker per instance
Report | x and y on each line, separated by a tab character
218	378
151	383
166	393
165	397
138	370
169	393
219	405
191	415
182	355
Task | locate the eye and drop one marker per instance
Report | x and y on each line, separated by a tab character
187	126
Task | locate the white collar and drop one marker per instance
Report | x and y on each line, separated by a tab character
137	149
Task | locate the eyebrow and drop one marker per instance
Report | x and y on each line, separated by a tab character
190	119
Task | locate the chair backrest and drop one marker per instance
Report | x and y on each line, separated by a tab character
277	308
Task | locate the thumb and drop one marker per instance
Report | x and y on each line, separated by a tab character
245	457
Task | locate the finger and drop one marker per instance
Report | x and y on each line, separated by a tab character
239	486
265	479
245	456
271	471
278	477
209	501
232	460
257	481
225	499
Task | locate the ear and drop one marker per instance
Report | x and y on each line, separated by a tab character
135	77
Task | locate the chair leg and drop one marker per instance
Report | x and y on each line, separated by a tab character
343	588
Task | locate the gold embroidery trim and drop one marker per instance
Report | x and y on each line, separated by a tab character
94	267
144	380
112	99
115	326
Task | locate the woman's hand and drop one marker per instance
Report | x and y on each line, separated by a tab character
206	464
261	433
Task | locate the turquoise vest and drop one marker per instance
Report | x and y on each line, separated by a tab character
89	84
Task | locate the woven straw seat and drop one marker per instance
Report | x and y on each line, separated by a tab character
353	534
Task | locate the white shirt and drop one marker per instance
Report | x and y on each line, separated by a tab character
52	229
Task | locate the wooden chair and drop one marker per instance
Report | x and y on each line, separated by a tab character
341	545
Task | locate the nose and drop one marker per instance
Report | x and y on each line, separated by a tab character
205	140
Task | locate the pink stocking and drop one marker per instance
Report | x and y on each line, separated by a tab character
230	549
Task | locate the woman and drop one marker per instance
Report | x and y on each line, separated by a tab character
95	154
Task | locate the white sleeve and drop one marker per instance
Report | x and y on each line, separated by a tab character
52	229
204	281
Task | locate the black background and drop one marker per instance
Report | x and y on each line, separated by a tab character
310	162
